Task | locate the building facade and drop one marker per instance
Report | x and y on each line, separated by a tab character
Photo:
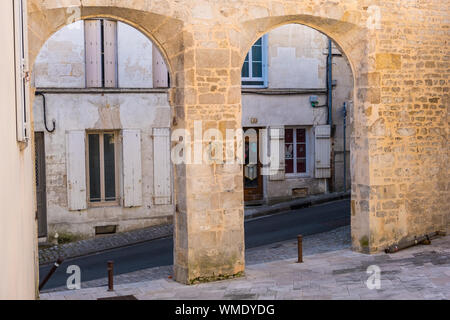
285	88
102	98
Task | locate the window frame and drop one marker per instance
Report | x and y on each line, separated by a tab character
103	202
264	71
22	79
296	174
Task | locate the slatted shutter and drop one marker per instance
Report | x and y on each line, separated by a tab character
322	151
277	159
93	51
76	170
160	72
132	168
110	53
161	166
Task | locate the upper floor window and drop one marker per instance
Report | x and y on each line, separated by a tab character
101	53
254	70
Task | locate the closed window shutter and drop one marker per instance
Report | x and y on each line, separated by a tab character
277	161
93	51
110	53
160	72
322	151
22	70
76	170
132	168
161	166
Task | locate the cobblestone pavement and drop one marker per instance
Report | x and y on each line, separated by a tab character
330	271
89	246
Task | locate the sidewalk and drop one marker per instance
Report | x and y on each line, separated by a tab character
330	271
94	245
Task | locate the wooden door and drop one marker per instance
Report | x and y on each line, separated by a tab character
253	180
41	184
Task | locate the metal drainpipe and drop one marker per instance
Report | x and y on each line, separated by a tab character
330	104
330	81
344	111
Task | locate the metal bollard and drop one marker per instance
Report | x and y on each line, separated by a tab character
300	249
110	275
52	271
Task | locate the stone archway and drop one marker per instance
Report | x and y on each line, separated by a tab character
205	43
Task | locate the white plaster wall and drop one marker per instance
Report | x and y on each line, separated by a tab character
61	61
96	111
296	57
135	66
292	110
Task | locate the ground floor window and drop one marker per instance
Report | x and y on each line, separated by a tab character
295	150
102	167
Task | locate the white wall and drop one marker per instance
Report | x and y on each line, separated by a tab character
61	61
296	58
134	58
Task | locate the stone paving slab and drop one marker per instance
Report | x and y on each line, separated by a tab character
420	272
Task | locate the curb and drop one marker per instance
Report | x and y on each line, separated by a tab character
297	204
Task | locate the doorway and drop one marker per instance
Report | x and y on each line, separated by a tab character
41	185
253	180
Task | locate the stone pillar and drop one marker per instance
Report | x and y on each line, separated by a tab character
209	222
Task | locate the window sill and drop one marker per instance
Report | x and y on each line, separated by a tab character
103	204
297	175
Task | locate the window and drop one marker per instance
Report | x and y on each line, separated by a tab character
254	71
295	150
21	70
101	53
102	168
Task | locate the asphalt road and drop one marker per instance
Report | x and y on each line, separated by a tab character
258	232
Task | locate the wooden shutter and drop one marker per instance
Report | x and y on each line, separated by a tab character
160	72
161	166
93	48
132	168
110	53
277	161
76	170
22	70
322	151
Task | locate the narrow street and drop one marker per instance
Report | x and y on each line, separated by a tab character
258	232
